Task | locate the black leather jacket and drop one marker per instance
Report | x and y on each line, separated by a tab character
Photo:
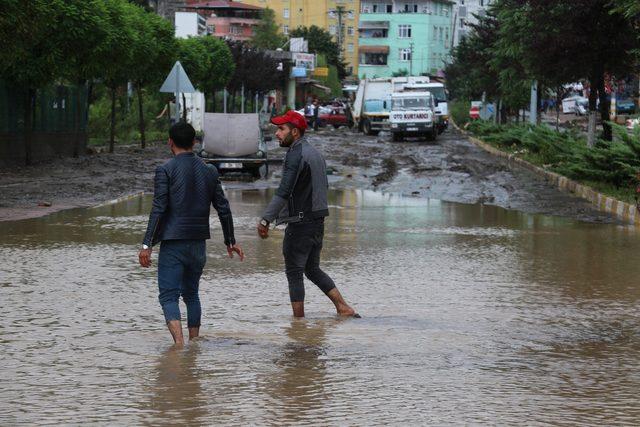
185	189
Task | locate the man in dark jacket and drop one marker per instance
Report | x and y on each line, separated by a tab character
301	203
185	189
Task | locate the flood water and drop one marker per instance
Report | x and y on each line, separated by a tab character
471	315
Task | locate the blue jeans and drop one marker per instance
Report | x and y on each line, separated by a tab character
180	265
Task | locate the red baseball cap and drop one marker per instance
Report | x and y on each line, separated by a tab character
293	117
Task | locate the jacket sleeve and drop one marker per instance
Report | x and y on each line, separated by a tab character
221	205
160	203
290	171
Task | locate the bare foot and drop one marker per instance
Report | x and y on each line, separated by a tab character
347	311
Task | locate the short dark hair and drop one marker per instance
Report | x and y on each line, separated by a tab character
182	134
290	126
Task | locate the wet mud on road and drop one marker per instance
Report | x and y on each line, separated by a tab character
450	169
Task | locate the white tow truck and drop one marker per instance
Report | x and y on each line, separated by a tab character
413	114
437	90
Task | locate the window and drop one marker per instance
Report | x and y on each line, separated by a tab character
434	34
410	8
441	33
333	29
446	37
350	47
350	31
405	54
373	59
461	23
235	29
369	33
481	2
285	13
389	8
350	14
285	29
404	31
211	29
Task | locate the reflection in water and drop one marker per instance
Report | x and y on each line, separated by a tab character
472	315
177	395
298	385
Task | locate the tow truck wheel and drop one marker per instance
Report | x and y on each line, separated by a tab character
433	134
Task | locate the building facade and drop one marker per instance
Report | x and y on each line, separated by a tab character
404	36
228	19
465	12
167	8
339	17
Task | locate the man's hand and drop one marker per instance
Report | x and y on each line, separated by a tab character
237	249
144	256
263	231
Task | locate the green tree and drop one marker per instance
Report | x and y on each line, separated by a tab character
267	35
558	42
31	58
154	54
207	61
321	41
87	45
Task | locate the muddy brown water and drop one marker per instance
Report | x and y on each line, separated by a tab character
471	315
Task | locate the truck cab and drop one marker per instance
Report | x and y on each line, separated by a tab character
440	98
413	114
371	106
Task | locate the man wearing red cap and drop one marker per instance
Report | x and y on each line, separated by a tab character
301	203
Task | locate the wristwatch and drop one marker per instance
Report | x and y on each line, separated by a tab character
264	223
145	247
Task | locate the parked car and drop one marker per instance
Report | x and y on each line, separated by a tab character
625	106
575	104
335	117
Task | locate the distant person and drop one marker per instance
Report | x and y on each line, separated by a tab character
301	203
185	188
170	110
308	113
316	113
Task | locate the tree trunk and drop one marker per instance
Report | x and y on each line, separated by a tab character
184	108
112	132
28	125
213	95
593	97
143	139
605	107
76	120
558	103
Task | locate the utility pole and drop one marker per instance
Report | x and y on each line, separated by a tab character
411	58
340	11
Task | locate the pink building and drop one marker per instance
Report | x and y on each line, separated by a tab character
228	19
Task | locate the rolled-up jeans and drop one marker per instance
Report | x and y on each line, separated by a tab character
301	248
180	265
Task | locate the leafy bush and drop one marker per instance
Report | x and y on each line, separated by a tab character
459	110
614	162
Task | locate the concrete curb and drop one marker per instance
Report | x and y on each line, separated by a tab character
622	210
119	199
